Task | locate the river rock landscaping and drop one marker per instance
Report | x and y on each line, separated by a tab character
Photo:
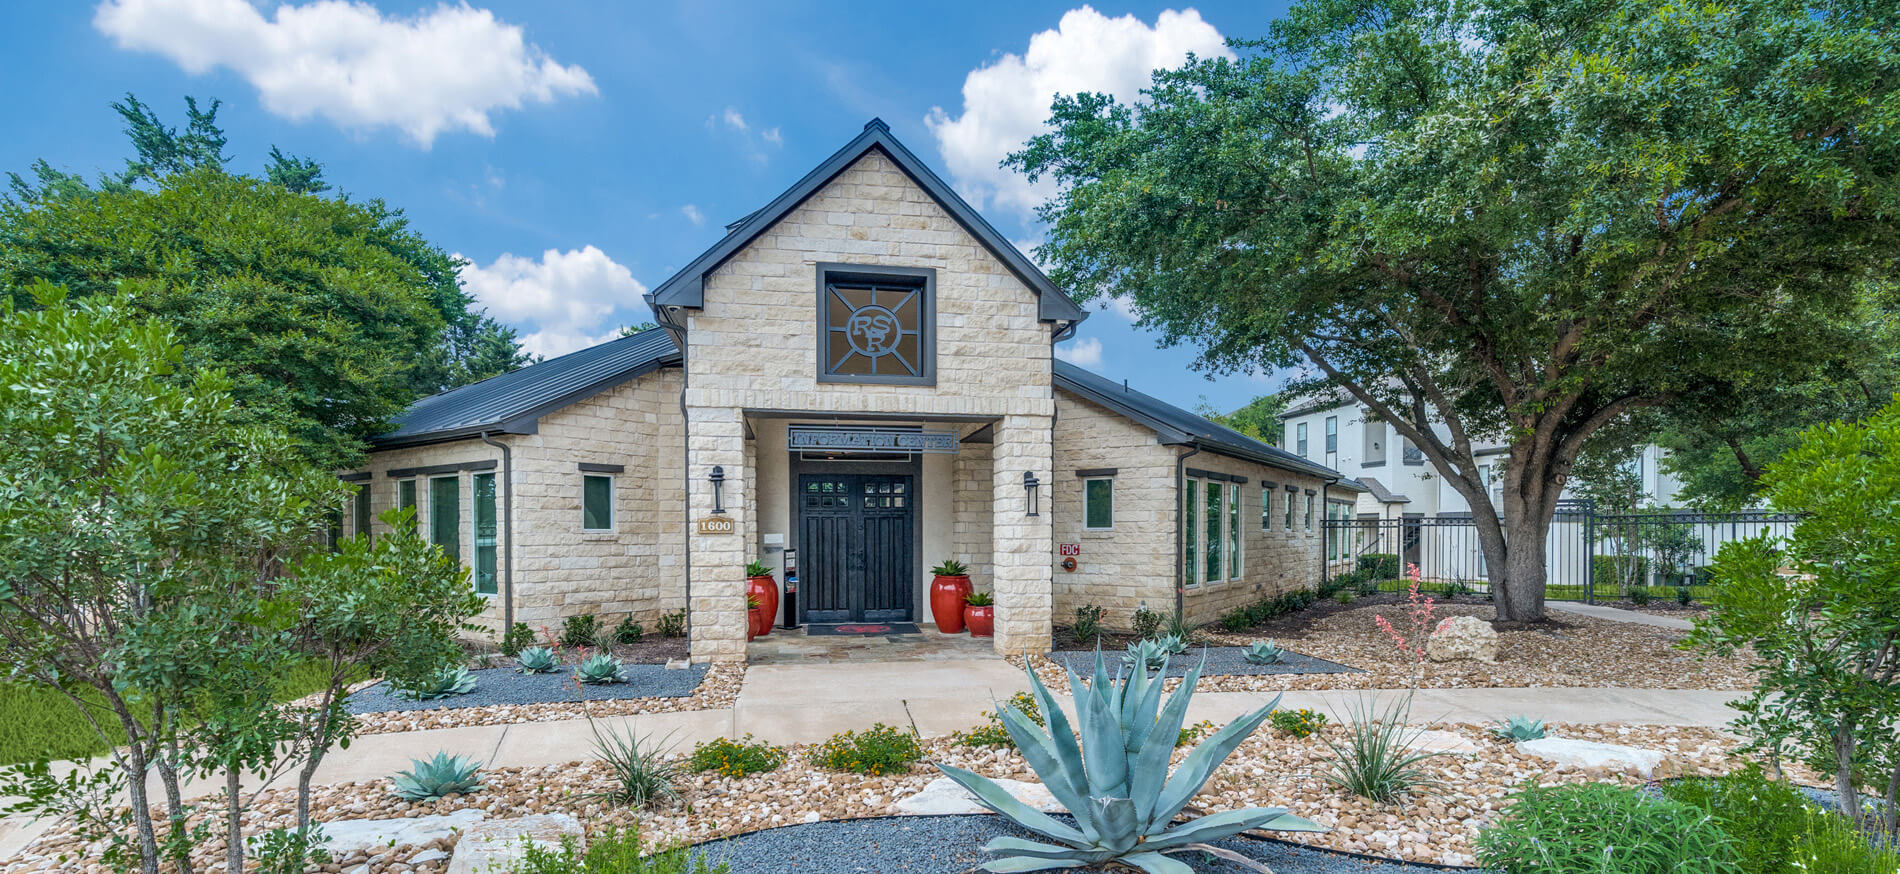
519	698
1218	661
1269	769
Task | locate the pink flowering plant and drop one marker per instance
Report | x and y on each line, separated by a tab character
1420	620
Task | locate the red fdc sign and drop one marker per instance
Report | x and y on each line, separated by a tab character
1069	549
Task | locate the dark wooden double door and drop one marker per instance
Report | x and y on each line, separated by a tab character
857	547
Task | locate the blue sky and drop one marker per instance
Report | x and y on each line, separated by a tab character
577	153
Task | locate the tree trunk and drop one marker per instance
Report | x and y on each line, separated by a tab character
1845	792
1522	596
135	776
233	822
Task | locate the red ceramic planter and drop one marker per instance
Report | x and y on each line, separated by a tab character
981	620
946	602
765	590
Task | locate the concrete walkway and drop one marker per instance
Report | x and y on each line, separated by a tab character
1615	614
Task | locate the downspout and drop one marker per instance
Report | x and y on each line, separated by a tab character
507	532
1180	531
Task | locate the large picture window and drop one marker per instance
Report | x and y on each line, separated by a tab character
1212	527
877	324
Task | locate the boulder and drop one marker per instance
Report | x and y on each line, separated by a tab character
1462	637
1635	761
498	845
346	836
943	796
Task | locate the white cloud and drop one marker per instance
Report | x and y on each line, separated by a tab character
754	142
1121	305
733	119
773	136
562	302
1007	102
1086	352
693	214
442	70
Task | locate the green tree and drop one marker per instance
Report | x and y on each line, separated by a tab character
330	316
1515	221
1259	418
1820	613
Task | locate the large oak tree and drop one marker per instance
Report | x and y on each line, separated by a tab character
1514	220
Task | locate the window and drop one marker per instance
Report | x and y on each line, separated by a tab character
445	514
1098	504
1190	532
485	533
1412	454
1266	506
1233	533
1290	498
1214	494
1300	439
1309	512
359	511
1332	441
406	497
597	502
877	324
1338	532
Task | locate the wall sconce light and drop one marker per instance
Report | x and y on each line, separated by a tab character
1030	484
718	477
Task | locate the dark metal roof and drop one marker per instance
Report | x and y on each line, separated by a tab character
687	287
512	402
1177	426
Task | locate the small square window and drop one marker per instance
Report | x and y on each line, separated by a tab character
597	503
877	324
1098	504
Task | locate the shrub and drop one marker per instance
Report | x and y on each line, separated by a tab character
599	669
876	751
1344	596
1639	595
1457	589
1517	728
1299	723
673	624
1176	626
438	777
610	852
452	680
1237	619
1088	623
641	773
518	638
1378	761
992	733
289	850
1379	566
1600	828
537	660
1683	595
1192	734
629	631
580	630
1776	830
735	758
1145	623
1616	571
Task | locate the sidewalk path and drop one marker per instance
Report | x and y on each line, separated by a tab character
1619	615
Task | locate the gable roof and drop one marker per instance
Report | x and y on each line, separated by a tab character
512	402
687	288
1174	425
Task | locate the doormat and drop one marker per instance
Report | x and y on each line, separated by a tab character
862	629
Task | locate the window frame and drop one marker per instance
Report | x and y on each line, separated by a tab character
613	518
1236	554
454	548
1309	513
1088	481
1190	524
1266	506
1299	440
485	554
925	278
361	513
1214	494
1292	494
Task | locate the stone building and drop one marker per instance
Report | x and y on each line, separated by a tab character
857	382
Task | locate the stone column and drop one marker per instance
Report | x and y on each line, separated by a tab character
718	560
1022	545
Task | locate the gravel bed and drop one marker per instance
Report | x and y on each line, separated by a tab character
953	845
506	686
1222	661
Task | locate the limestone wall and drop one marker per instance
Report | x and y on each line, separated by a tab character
1132	564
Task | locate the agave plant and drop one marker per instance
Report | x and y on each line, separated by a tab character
1114	779
1173	644
1518	728
1263	652
1144	654
453	680
443	775
537	660
599	668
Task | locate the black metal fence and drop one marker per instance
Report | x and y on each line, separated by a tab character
1589	556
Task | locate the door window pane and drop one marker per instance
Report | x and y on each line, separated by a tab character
445	515
1098	503
485	533
1190	528
1214	495
597	503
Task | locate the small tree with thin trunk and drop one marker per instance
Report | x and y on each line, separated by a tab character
1506	221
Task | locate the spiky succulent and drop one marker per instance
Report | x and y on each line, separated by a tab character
453	680
1114	778
438	777
1263	652
1174	644
1145	654
1518	728
537	660
599	668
